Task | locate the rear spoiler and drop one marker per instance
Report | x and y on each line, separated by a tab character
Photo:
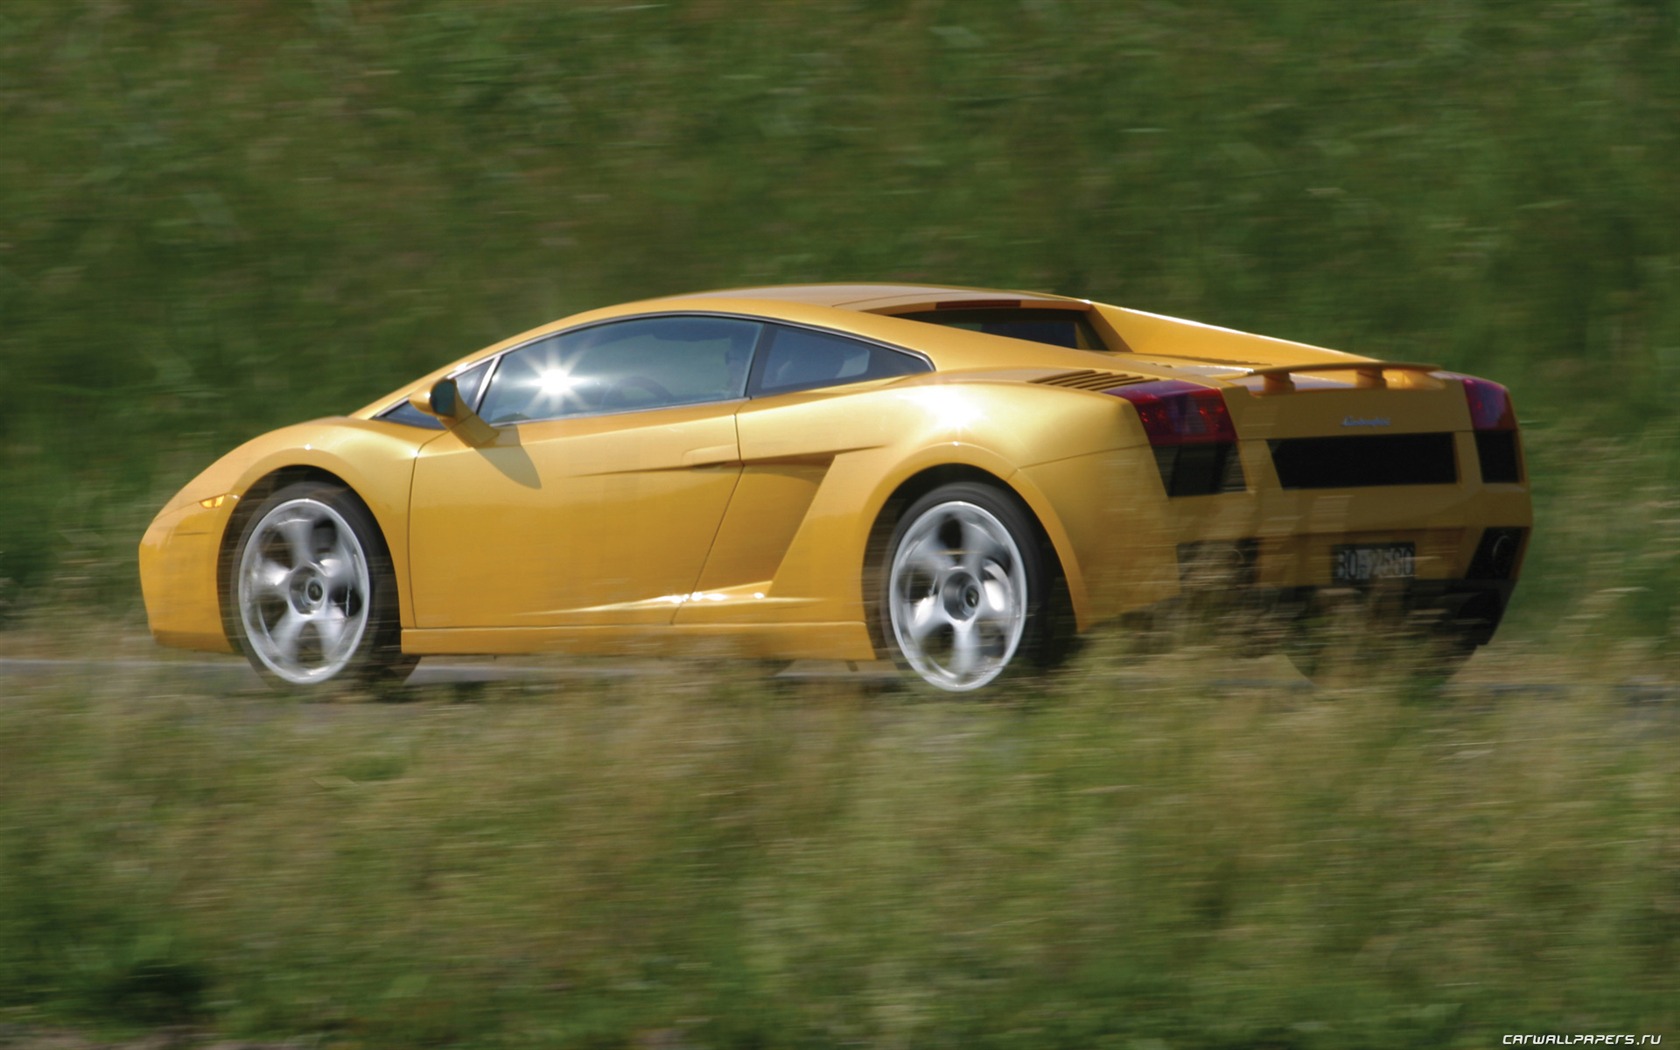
1370	373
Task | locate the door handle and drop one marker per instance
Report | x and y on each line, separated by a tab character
710	456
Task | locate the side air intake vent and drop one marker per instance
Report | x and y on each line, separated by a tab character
1092	379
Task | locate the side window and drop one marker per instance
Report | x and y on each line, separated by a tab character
622	366
468	382
800	359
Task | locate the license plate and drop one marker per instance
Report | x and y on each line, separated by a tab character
1363	562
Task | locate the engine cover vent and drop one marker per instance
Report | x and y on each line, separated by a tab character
1093	379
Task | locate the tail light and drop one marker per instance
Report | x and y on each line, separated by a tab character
1490	405
1191	431
1495	424
1174	412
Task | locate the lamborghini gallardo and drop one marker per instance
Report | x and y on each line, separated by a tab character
961	481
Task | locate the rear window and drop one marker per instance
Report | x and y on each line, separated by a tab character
802	359
1069	328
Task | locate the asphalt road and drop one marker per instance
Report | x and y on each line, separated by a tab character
235	675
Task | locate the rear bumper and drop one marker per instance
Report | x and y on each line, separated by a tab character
1121	538
1258	619
1258	593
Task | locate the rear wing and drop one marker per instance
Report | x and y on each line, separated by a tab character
1370	374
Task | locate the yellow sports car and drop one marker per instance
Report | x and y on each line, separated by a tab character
957	479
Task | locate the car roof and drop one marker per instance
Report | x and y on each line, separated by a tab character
893	298
869	309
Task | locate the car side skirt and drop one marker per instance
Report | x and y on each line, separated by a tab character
786	641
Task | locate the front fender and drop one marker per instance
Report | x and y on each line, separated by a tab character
180	553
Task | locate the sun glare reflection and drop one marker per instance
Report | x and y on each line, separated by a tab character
554	377
555	383
949	408
551	384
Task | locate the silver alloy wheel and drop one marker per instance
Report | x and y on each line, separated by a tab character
304	591
957	596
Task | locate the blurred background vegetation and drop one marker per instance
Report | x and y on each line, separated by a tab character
223	217
219	217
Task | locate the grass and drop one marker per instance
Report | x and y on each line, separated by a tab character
225	217
710	860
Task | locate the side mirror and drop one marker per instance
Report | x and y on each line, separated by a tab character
443	400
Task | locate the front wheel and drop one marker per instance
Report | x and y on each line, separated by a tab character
963	587
313	593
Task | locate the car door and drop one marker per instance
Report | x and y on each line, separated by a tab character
615	456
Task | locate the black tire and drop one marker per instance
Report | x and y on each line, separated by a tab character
963	594
312	598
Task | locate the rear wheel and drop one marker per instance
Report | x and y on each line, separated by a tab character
313	594
963	587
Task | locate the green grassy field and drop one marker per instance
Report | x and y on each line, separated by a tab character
693	858
218	218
